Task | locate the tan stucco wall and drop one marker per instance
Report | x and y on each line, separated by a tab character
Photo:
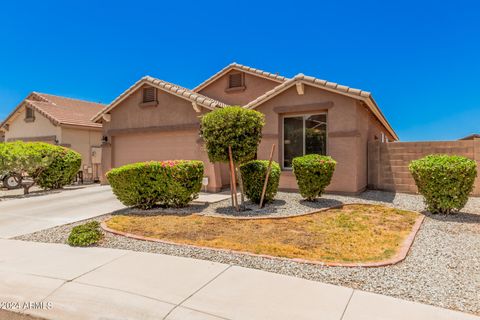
82	141
346	139
254	87
147	138
41	127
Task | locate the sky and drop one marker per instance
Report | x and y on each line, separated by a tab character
420	59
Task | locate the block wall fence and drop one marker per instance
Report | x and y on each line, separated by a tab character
388	162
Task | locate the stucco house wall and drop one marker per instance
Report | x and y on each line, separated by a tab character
41	127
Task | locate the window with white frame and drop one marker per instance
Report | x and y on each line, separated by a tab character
303	134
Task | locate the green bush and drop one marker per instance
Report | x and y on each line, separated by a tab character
236	127
313	173
444	181
62	170
168	183
254	173
85	235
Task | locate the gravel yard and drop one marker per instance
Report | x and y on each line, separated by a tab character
443	267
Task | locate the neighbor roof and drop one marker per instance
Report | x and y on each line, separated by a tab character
60	110
174	89
471	137
239	67
364	96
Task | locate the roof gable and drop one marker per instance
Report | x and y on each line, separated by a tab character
168	87
239	67
301	79
59	110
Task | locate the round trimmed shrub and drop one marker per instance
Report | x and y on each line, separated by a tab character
168	183
313	173
254	173
62	170
444	181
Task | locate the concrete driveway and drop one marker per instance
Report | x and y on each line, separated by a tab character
27	215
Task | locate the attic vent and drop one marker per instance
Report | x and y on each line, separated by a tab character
149	94
235	80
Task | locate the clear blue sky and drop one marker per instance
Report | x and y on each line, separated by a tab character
420	59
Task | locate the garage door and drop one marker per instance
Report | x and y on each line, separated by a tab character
155	146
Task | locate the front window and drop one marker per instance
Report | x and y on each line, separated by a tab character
303	135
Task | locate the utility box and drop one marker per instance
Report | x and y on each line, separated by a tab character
96	155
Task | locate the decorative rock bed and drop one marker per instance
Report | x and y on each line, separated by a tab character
442	268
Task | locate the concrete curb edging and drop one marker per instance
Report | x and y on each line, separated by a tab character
399	257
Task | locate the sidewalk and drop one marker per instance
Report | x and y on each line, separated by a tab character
99	283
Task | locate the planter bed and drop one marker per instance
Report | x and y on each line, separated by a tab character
441	268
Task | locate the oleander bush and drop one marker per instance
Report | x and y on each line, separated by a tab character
444	181
167	183
85	235
254	173
313	173
62	170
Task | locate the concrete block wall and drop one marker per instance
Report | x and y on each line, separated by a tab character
388	162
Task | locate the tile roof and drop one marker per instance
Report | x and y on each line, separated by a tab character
177	90
247	69
60	110
330	86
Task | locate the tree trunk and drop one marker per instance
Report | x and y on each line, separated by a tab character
240	185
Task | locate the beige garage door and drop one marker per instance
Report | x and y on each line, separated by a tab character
155	146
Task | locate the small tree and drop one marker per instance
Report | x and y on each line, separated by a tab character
32	158
235	127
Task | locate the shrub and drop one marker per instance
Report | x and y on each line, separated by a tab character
168	183
444	181
313	173
85	235
232	126
254	173
62	170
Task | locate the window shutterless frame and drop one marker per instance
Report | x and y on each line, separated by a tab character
304	117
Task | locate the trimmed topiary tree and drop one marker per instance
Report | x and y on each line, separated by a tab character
253	174
313	173
233	126
168	183
444	181
62	170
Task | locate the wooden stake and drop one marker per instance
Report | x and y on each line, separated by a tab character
266	177
234	182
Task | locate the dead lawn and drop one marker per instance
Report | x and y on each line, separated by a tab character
354	233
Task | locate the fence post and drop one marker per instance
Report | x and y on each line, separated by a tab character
476	157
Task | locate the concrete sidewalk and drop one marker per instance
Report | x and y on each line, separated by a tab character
99	283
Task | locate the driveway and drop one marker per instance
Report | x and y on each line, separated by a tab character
27	215
100	283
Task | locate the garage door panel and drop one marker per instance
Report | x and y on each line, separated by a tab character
155	147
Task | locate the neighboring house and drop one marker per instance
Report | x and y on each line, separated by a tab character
471	137
157	120
62	121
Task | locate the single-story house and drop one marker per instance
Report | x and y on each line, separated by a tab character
61	121
158	120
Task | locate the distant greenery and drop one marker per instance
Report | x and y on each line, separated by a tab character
85	235
313	173
444	181
254	173
168	183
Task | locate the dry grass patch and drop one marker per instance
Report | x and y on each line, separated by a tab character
353	233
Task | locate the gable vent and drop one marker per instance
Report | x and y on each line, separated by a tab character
235	80
149	94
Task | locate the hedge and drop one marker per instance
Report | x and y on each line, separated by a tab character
444	181
313	173
62	170
168	183
254	173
